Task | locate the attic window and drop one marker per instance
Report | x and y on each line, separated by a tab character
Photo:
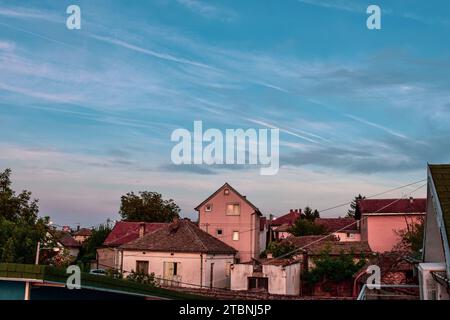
208	207
226	192
219	232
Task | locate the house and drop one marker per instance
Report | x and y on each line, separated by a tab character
82	235
122	232
344	229
58	245
434	271
180	254
232	218
267	275
280	226
382	220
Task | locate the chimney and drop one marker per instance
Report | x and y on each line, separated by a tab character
141	230
411	200
291	211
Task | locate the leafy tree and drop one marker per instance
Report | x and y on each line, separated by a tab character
148	207
280	248
352	212
335	269
411	238
310	214
89	248
305	227
20	227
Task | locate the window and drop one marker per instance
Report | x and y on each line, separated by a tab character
257	283
226	192
235	235
170	269
208	207
219	232
142	267
350	235
233	209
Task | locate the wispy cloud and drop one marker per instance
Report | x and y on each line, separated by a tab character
155	54
54	97
378	126
29	13
208	10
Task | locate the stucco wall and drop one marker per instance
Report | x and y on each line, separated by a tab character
282	280
247	223
108	258
193	269
381	230
342	236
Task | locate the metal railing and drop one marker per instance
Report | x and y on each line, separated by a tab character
387	292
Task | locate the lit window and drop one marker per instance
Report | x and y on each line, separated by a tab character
233	209
226	192
235	235
219	232
208	207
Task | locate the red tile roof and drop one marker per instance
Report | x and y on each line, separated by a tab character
315	246
334	224
65	239
125	231
368	206
83	232
288	218
180	236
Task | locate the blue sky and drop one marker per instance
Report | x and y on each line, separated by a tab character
86	115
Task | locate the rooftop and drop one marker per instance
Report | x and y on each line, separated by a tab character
392	206
126	231
180	236
288	218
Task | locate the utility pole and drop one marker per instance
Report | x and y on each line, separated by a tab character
36	262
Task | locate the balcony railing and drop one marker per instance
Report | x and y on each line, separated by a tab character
390	292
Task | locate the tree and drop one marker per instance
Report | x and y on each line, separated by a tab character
334	269
305	227
88	250
411	238
310	214
280	249
20	227
148	207
352	212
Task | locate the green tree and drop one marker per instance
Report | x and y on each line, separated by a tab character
334	269
310	214
20	227
305	227
352	212
411	238
280	249
148	207
89	248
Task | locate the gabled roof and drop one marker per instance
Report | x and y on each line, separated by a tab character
65	239
180	236
126	231
392	206
84	232
226	185
335	224
288	218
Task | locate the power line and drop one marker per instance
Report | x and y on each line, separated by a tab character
341	229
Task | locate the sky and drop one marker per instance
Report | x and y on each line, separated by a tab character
86	115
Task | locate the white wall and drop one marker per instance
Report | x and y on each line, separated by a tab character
194	269
282	280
